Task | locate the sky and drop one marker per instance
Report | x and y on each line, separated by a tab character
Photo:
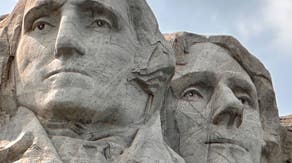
264	27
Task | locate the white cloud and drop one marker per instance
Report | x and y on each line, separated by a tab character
272	18
278	15
249	28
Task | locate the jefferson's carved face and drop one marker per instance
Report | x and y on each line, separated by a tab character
74	58
217	111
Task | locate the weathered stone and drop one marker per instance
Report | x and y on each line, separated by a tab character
92	81
286	121
83	81
221	106
286	138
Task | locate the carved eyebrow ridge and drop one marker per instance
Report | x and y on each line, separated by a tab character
205	78
99	8
237	82
42	8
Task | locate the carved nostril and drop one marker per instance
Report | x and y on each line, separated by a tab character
230	117
234	120
228	108
238	120
67	49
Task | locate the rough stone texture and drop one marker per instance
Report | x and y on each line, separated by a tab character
94	81
83	81
286	138
286	121
221	106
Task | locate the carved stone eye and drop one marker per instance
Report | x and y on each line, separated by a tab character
244	100
102	23
191	94
41	26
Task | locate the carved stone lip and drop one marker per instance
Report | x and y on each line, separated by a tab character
65	70
222	141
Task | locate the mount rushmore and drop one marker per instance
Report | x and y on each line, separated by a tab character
96	81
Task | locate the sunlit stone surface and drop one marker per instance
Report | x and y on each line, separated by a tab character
96	81
221	105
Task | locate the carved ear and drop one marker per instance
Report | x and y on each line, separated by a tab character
154	61
154	67
7	101
10	30
144	22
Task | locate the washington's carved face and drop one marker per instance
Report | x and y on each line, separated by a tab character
74	58
217	111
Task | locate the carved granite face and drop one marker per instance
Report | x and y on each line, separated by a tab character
73	61
217	112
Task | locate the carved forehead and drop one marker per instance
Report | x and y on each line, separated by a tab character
212	61
120	6
37	3
208	57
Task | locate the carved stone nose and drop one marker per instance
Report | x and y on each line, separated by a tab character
67	48
68	40
229	109
230	117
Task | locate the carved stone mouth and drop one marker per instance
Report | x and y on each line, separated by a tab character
224	141
65	70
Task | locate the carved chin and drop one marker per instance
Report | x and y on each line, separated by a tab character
67	104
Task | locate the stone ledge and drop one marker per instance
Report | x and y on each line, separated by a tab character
287	121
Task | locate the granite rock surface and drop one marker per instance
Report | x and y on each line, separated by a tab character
286	137
96	81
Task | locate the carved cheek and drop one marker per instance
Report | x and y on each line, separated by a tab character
23	56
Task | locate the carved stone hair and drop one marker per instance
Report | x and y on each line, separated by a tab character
259	74
10	30
154	60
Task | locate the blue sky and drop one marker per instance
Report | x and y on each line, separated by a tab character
263	26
